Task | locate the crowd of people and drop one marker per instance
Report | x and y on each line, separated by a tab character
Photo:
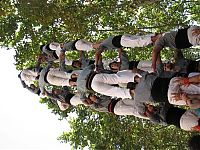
148	89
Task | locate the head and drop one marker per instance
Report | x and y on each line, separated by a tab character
114	66
168	66
92	97
72	82
194	143
131	85
76	64
88	101
137	79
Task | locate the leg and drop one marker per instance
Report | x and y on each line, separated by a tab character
189	120
106	89
83	45
56	77
127	107
124	76
135	41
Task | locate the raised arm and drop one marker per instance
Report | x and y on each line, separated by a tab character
155	55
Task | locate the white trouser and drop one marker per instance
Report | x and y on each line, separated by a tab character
128	40
101	83
145	65
28	75
58	78
189	120
83	45
193	38
175	88
127	107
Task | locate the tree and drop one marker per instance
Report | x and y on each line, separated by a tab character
26	24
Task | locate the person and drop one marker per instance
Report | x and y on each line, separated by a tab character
53	52
194	142
154	89
150	89
63	98
185	91
82	62
188	120
183	65
32	88
116	106
102	82
125	64
120	41
54	76
183	38
143	65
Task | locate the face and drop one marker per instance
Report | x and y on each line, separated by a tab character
168	66
77	64
115	66
93	98
137	79
89	102
72	83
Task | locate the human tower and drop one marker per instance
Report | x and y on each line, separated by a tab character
148	89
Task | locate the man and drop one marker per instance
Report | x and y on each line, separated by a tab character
188	120
194	142
114	105
102	82
183	65
117	42
55	76
125	64
154	89
150	89
32	88
64	99
183	38
185	91
82	62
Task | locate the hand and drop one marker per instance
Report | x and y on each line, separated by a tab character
62	56
180	96
176	96
196	32
184	97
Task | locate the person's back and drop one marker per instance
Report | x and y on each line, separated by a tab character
194	143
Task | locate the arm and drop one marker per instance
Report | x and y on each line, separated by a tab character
82	55
192	100
98	57
155	55
120	54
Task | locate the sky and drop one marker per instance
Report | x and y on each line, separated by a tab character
25	124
